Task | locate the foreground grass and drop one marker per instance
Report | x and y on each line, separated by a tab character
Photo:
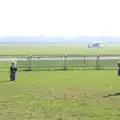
60	95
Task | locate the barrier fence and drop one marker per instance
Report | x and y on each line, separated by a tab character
31	62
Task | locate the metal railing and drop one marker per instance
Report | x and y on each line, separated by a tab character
31	62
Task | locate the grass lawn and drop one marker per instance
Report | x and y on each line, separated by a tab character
58	49
60	95
41	49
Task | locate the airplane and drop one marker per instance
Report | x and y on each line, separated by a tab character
97	44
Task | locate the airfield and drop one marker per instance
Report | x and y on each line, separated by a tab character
60	95
29	49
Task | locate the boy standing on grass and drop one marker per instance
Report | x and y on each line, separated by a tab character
13	70
118	68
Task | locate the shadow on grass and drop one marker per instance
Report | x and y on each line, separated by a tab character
110	95
4	81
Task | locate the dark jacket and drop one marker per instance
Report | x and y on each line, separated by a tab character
13	68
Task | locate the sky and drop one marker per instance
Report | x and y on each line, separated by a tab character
59	18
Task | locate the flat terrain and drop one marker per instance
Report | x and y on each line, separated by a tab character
60	95
58	49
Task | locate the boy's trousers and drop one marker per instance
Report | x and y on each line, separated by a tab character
118	72
12	76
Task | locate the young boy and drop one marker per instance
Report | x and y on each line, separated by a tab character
118	68
13	70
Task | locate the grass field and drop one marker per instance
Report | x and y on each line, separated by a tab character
58	49
60	95
39	49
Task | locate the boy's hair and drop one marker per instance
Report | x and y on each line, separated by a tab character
13	62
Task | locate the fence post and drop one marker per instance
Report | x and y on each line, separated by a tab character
97	63
65	62
84	62
29	61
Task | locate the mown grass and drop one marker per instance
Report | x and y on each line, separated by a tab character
60	95
57	49
41	49
61	64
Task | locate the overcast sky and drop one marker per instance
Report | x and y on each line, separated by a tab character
59	17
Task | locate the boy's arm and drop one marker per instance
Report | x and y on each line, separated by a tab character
16	69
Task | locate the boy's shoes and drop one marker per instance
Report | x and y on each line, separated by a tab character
12	80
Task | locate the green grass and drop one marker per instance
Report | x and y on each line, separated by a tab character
60	95
58	49
60	64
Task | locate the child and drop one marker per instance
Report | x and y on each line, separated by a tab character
13	70
118	68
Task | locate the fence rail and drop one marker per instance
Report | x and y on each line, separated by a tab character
31	62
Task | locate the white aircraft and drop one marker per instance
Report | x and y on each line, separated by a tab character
97	44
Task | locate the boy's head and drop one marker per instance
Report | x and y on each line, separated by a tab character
13	62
